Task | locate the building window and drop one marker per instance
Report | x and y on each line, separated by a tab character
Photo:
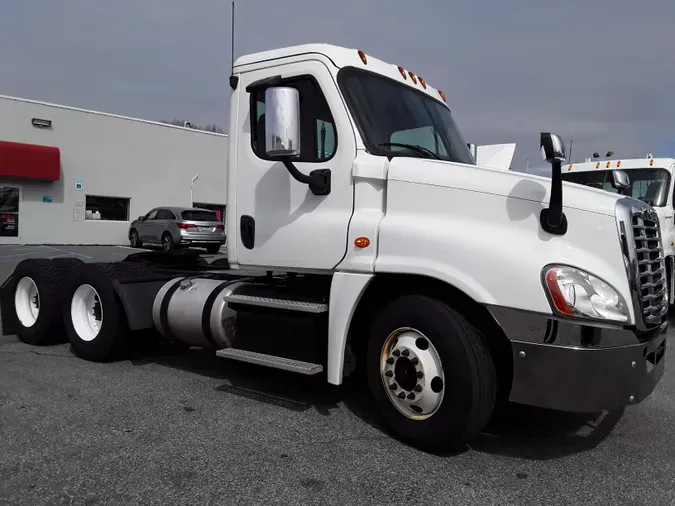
107	208
318	135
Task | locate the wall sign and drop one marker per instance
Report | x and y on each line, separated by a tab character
9	225
47	199
78	184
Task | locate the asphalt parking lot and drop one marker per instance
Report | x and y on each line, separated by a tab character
188	428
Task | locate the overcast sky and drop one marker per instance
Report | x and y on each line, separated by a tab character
601	72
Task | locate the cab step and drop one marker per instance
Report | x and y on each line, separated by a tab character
277	303
286	364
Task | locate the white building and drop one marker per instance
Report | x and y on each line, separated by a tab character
71	176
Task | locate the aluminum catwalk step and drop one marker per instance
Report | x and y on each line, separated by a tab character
278	303
275	362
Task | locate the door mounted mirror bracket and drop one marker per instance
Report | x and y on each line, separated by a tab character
552	219
318	180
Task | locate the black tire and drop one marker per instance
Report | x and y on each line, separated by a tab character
134	240
167	242
49	278
213	249
111	341
467	405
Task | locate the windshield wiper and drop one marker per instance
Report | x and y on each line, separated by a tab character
412	147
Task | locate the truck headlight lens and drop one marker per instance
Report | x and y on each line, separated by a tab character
576	293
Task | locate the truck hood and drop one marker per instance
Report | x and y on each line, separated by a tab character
509	184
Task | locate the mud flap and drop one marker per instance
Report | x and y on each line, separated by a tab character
7	313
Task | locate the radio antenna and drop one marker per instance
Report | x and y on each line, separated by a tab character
232	42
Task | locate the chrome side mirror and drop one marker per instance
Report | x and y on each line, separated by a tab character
282	122
552	148
620	181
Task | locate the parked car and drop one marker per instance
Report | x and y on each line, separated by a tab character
172	227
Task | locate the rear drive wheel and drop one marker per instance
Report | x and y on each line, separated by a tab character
167	242
37	301
94	318
430	373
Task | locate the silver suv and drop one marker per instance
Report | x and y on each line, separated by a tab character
173	227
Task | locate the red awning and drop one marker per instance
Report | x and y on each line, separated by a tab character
30	161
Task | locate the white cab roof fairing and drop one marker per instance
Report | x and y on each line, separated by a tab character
495	156
341	57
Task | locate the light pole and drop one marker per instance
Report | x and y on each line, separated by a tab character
192	185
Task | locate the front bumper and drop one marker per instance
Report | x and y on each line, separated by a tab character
573	367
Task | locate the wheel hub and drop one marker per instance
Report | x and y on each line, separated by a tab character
27	301
86	312
412	373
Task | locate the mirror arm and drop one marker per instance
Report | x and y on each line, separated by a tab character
552	219
318	180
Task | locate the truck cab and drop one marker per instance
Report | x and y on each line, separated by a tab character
649	180
356	212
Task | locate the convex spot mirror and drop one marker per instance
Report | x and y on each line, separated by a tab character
552	148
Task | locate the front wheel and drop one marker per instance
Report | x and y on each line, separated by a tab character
134	240
430	373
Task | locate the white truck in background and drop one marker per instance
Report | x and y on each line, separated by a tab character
359	224
647	179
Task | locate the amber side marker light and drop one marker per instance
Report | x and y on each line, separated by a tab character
442	95
362	55
422	82
361	242
402	71
413	77
556	295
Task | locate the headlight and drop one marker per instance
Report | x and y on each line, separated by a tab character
573	292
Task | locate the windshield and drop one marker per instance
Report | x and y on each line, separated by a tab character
649	185
397	120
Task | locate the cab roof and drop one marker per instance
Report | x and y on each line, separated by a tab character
343	57
622	164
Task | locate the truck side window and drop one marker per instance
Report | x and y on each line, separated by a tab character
318	135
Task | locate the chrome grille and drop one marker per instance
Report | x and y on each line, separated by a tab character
650	275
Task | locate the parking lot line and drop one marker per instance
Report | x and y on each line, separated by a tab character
69	252
14	256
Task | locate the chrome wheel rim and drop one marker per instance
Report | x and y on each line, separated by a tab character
412	373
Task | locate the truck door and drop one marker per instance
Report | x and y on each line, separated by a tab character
279	221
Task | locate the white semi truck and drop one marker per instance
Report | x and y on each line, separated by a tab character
647	179
358	220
